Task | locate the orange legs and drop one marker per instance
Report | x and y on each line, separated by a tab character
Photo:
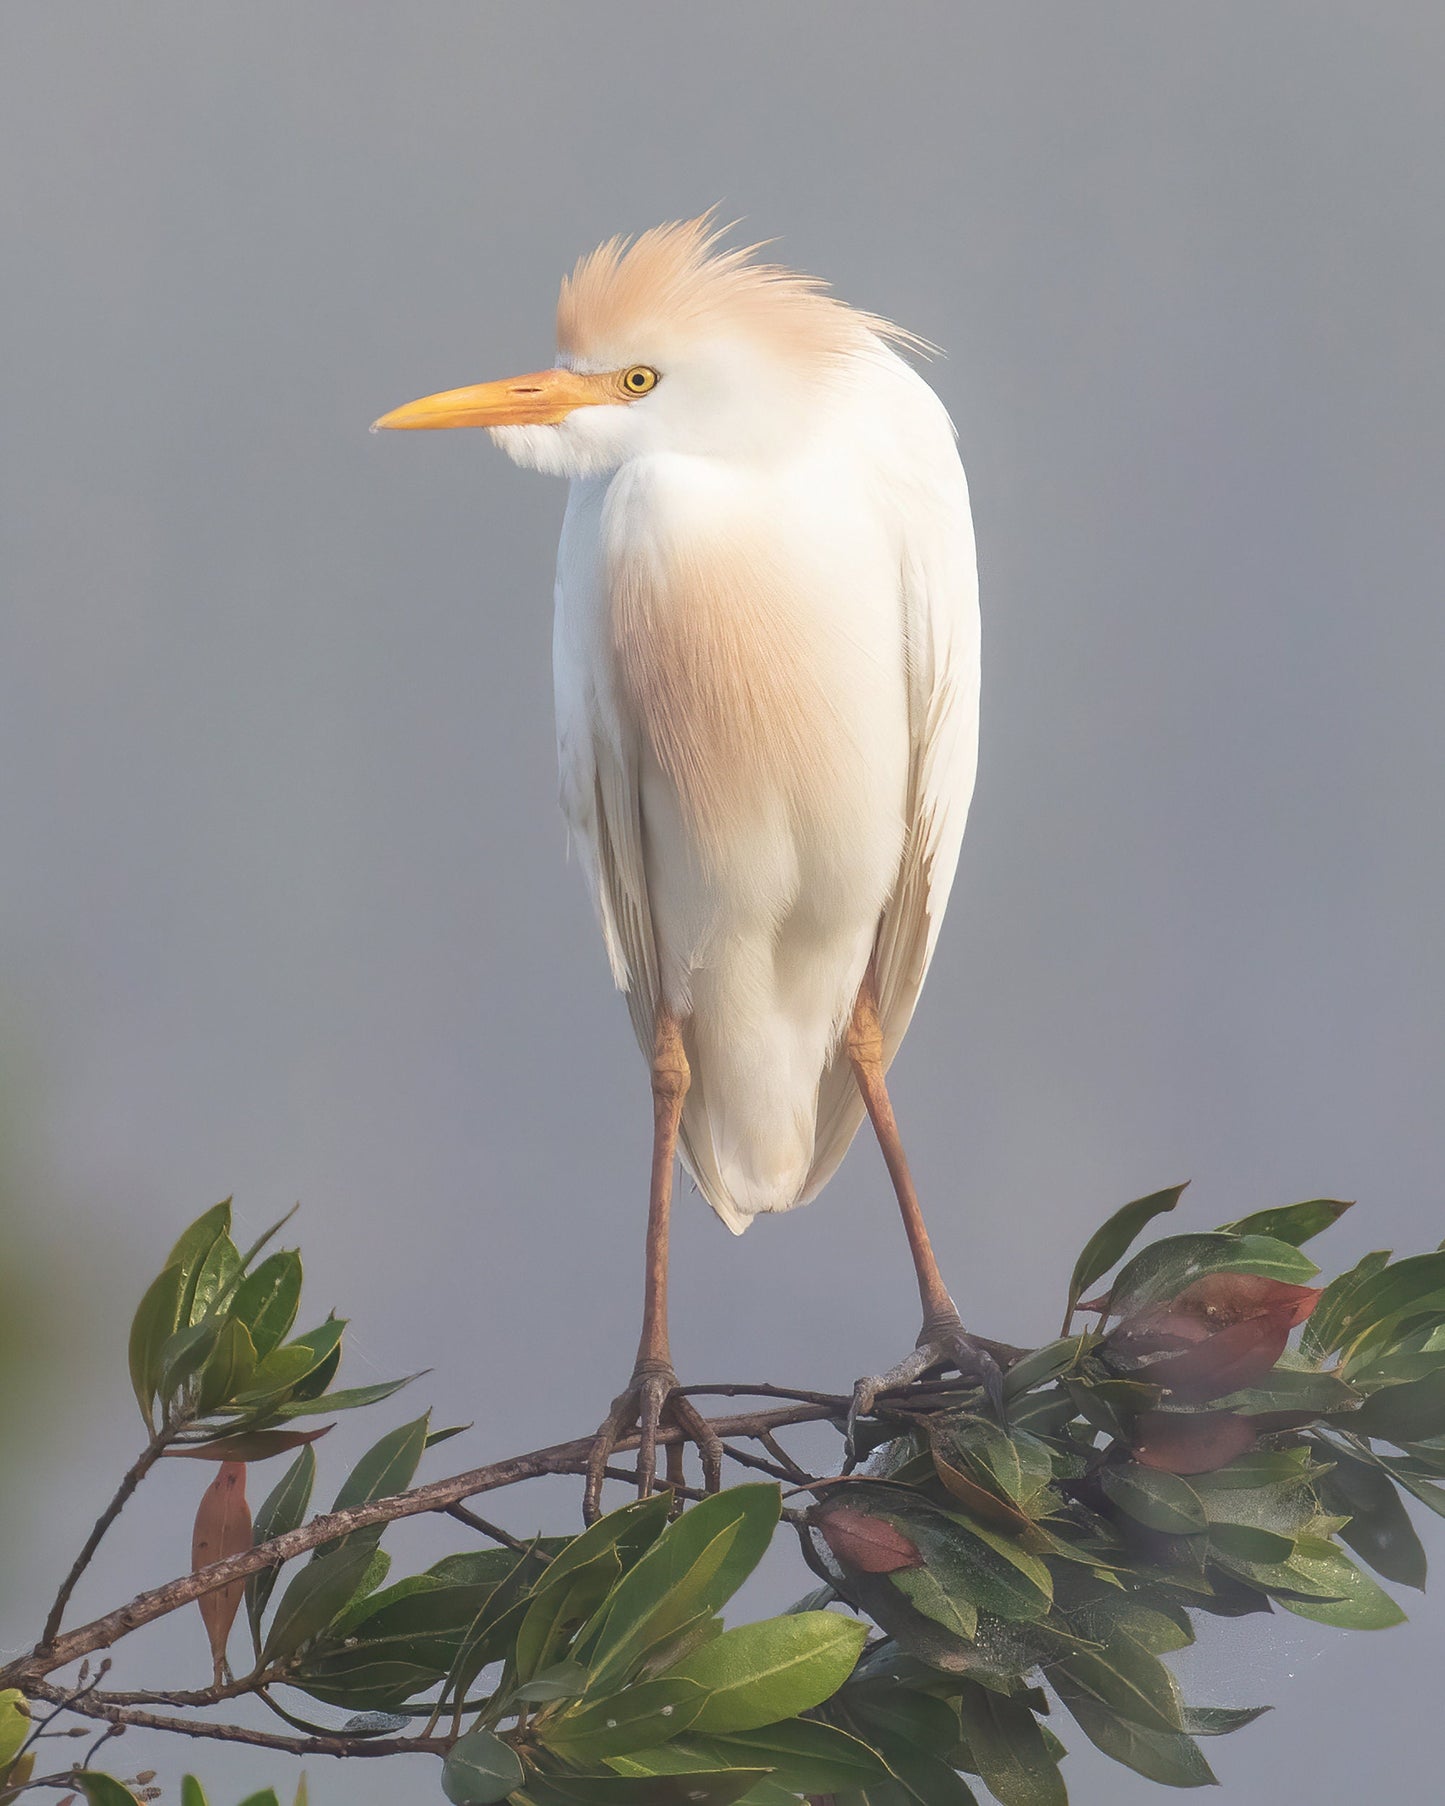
651	1398
942	1342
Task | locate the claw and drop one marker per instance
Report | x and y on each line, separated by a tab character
941	1346
651	1401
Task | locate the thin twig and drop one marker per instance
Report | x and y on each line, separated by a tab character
134	1474
235	1733
494	1531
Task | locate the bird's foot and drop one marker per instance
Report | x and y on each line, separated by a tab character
651	1401
943	1345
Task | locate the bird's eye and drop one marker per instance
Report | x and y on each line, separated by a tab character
639	379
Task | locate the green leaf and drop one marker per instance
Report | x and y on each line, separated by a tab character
1413	1412
1160	1500
1251	1544
351	1398
1040	1366
1322	1332
192	1794
480	1770
761	1673
266	1300
1360	1604
101	1790
802	1755
214	1279
1122	1679
1011	1463
1008	1749
1108	1242
1293	1223
1379	1529
385	1469
635	1719
564	1680
195	1243
1167	1756
320	1592
1002	1577
695	1788
954	1610
1165	1268
228	1367
266	1797
15	1726
693	1569
283	1510
893	1709
582	1575
1404	1285
301	1368
1219	1721
560	1607
1295	1392
155	1322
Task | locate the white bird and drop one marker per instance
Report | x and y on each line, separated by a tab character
766	661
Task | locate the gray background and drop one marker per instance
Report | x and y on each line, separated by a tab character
284	907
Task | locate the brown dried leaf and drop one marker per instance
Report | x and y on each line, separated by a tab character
866	1544
250	1445
223	1527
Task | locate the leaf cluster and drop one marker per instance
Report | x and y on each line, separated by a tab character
214	1366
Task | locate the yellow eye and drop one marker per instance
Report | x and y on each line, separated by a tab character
639	379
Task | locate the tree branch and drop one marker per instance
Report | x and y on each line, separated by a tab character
58	1651
135	1473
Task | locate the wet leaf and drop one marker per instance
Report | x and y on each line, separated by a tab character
1007	1745
635	1719
1361	1603
222	1528
480	1770
266	1300
1156	1498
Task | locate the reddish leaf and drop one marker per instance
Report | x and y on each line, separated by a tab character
1220	1334
866	1544
250	1445
1185	1443
223	1527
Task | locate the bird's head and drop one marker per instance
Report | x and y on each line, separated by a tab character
670	344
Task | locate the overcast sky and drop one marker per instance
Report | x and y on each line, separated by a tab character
284	908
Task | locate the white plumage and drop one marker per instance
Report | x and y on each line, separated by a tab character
846	764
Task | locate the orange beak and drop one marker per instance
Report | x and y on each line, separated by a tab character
541	399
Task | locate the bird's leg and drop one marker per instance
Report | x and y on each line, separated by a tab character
651	1398
942	1342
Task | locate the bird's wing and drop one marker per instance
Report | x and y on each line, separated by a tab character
938	587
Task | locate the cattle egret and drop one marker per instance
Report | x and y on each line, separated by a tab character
766	658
